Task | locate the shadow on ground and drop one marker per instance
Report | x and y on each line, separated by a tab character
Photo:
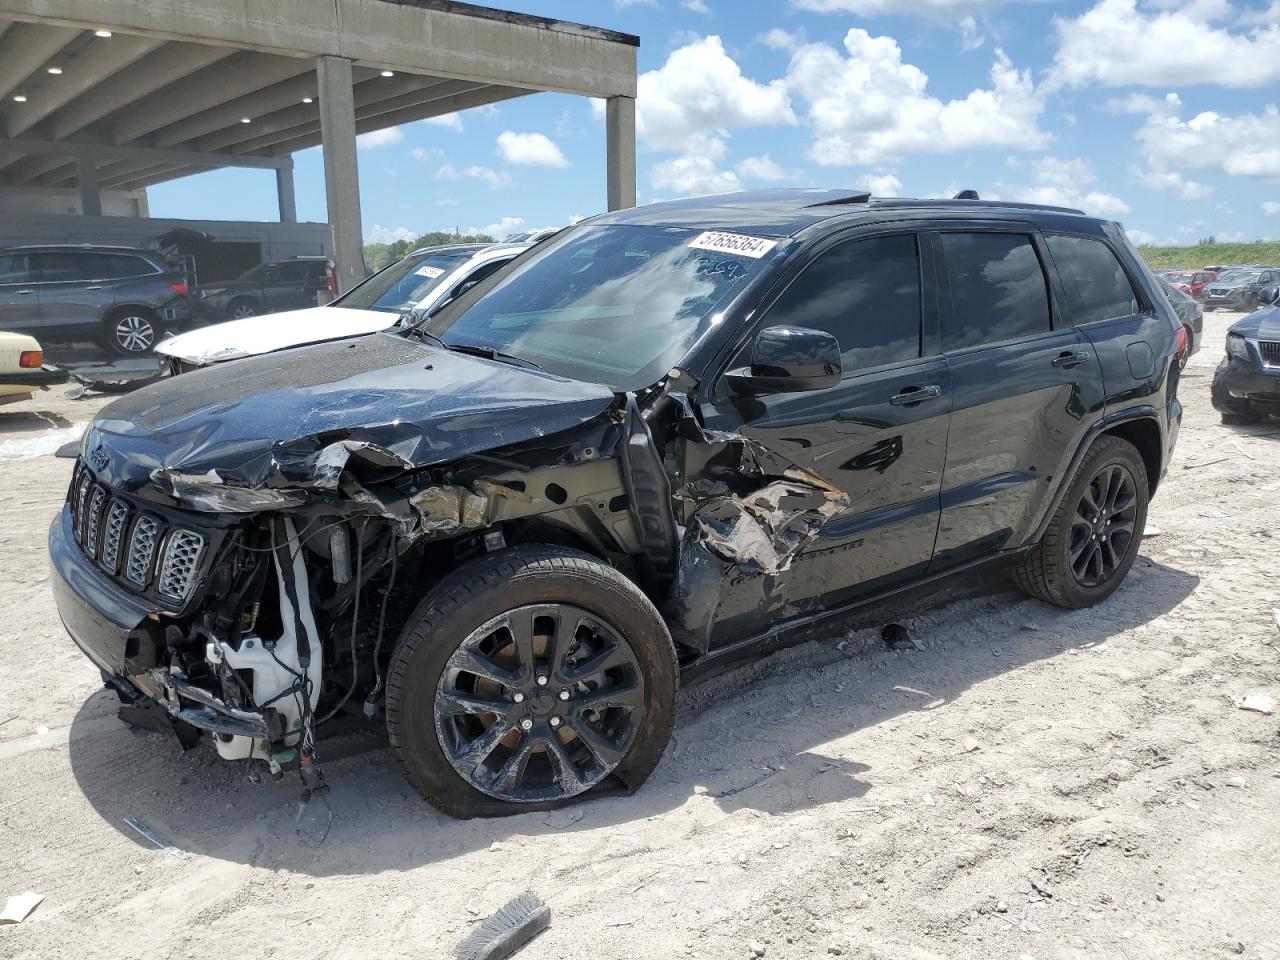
775	764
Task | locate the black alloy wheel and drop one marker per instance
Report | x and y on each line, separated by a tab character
539	704
1103	525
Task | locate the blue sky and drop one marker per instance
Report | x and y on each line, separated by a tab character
1159	113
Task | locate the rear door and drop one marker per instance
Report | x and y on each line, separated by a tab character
285	286
75	289
879	436
19	293
1025	386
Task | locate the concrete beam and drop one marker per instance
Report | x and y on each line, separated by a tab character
434	37
242	74
341	172
307	114
620	152
27	47
90	195
82	72
159	71
100	151
434	108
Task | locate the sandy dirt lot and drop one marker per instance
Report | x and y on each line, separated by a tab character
1033	783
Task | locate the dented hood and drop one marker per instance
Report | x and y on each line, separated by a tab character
276	331
265	421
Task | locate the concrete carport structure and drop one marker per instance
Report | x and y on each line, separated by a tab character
122	94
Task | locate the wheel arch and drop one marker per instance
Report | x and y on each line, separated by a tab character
1144	433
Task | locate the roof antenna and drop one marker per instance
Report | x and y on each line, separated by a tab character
966	195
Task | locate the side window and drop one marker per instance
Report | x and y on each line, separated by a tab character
998	289
1097	285
15	268
295	271
119	266
866	293
60	267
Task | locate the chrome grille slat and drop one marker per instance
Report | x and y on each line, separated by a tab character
181	558
142	549
77	513
93	522
1270	350
113	534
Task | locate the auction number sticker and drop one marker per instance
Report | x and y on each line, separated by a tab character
428	271
744	246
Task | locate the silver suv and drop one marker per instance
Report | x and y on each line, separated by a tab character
122	296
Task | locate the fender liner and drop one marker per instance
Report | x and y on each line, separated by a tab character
648	498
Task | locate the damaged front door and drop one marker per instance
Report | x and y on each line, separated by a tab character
879	437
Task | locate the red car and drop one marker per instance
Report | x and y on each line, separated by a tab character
1193	282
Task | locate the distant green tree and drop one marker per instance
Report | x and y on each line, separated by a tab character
379	255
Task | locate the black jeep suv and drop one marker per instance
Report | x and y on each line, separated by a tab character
664	438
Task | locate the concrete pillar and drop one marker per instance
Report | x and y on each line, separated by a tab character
341	174
90	195
620	151
285	196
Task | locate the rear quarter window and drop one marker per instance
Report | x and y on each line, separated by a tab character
1097	286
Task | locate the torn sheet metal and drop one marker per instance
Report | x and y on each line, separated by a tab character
208	492
450	508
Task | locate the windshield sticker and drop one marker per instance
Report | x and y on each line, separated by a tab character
428	271
754	247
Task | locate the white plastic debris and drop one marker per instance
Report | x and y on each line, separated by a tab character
1259	703
42	444
1151	531
18	907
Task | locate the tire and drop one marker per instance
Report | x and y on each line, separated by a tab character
131	331
433	740
1050	571
242	309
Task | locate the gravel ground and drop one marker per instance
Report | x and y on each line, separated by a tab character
1033	783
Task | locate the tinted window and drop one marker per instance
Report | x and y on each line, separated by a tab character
15	268
116	266
293	272
60	266
1095	281
866	294
998	290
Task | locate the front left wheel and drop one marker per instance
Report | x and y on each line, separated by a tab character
131	332
528	678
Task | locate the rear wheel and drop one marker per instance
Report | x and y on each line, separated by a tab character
131	332
528	678
242	309
1093	536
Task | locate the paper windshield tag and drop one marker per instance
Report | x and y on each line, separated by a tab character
744	246
428	271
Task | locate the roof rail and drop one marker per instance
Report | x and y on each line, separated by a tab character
862	197
969	204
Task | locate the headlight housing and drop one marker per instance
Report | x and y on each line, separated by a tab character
1236	347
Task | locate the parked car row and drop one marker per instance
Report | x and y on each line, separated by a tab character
659	441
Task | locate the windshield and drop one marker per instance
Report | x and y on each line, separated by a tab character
403	285
617	305
1238	276
258	273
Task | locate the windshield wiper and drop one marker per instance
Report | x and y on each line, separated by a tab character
488	353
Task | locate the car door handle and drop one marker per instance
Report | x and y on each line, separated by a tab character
1068	359
25	292
96	286
916	395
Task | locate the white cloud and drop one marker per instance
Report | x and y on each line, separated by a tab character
1064	183
623	4
426	153
700	92
696	6
779	39
881	185
379	138
530	149
1140	238
576	218
1246	145
1171	181
689	176
762	167
1271	208
942	9
502	229
380	234
494	178
450	121
970	37
870	107
1144	103
1164	42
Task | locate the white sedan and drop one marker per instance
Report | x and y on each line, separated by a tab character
22	368
422	281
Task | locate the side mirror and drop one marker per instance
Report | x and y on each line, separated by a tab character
1270	296
789	360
